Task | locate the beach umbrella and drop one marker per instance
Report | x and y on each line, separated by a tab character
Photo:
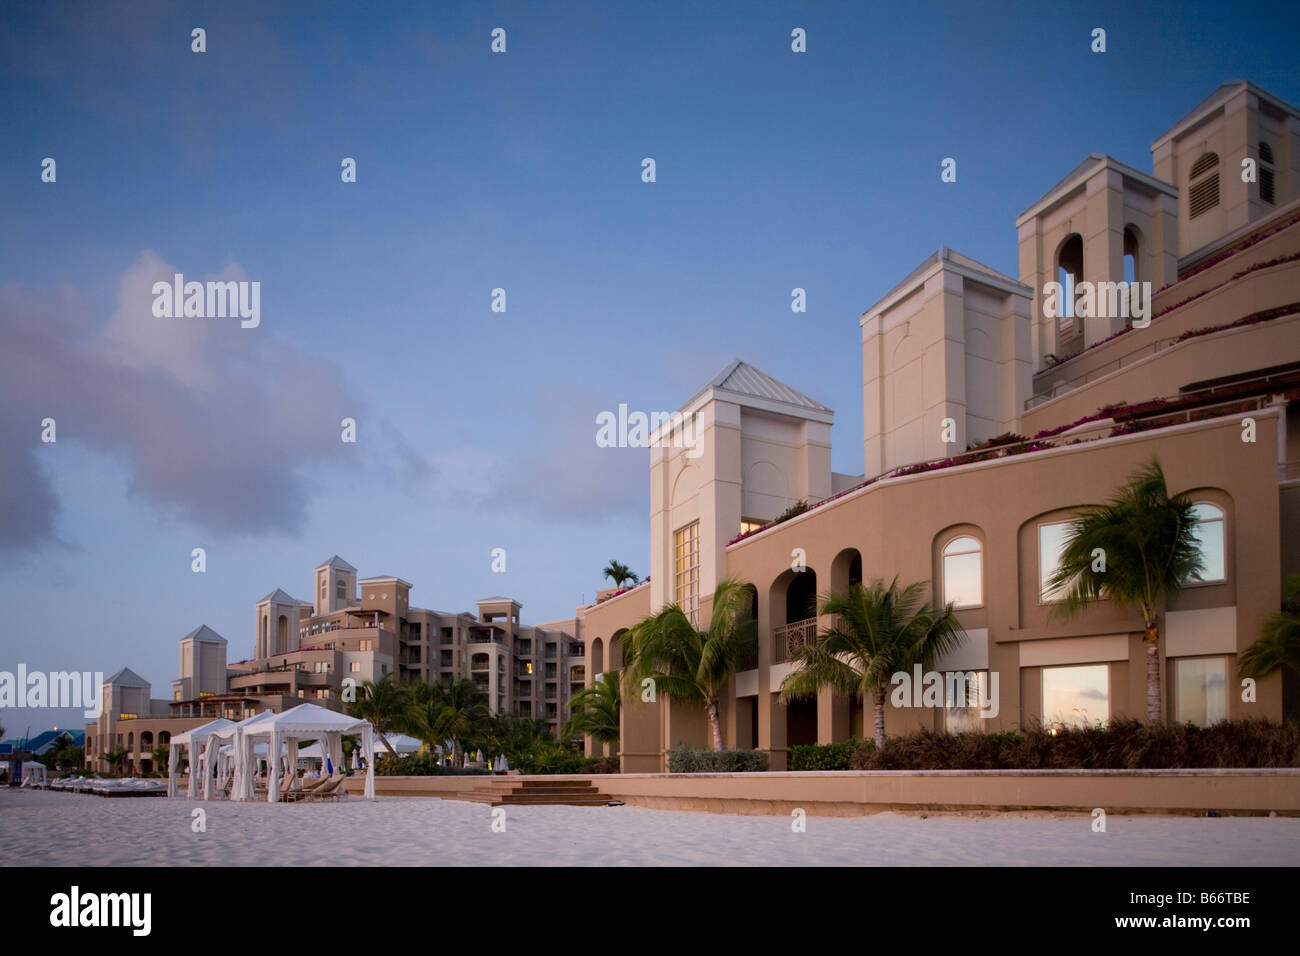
501	763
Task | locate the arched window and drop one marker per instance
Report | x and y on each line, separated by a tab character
1266	180
963	572
1209	532
1131	249
1069	273
1203	190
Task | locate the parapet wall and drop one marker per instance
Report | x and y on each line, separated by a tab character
856	793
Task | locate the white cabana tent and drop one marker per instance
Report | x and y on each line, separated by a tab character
33	774
193	741
242	787
304	722
402	744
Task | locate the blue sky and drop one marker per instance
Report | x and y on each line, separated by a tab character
477	171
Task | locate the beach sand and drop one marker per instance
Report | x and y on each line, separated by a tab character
42	828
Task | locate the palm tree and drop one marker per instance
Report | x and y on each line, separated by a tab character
1279	641
1137	550
619	573
879	630
451	711
594	710
114	759
687	664
384	704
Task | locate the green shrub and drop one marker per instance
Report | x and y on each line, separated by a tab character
822	756
560	762
419	765
691	760
1123	744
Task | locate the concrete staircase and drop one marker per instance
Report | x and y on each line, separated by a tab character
536	793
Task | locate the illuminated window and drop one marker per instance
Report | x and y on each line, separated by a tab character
355	667
1209	535
686	570
1076	696
963	572
749	524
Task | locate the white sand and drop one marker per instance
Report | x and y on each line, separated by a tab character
47	828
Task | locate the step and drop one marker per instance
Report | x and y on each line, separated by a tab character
488	799
591	801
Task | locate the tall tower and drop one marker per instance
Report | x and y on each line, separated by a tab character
1105	222
278	615
746	448
202	665
1205	156
945	362
335	587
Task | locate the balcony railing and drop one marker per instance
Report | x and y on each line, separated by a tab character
788	638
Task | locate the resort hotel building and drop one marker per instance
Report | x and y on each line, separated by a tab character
357	628
994	409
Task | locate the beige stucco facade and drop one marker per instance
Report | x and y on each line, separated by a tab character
957	354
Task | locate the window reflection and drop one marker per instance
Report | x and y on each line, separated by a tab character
1076	696
1051	545
963	573
1208	531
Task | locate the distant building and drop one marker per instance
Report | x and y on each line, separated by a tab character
358	628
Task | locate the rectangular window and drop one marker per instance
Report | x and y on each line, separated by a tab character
961	712
1051	545
1076	696
749	524
355	667
686	570
1200	690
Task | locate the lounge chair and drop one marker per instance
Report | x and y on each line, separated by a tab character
308	788
331	790
327	789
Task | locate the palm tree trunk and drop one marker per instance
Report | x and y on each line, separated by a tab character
880	720
1152	640
715	726
386	744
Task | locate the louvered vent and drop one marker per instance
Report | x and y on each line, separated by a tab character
1204	164
1266	184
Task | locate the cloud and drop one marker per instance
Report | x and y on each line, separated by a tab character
562	472
219	424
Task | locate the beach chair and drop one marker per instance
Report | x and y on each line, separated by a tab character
287	784
308	788
225	786
330	790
